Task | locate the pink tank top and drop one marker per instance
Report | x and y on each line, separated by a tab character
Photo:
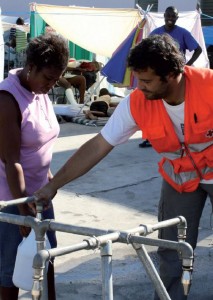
39	130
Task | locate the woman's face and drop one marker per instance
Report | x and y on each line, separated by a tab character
41	81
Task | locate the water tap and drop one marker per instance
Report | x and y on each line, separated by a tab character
186	280
36	290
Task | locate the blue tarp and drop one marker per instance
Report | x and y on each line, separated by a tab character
208	35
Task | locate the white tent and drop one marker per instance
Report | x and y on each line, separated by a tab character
99	30
102	30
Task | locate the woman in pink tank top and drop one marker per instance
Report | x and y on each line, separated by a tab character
27	133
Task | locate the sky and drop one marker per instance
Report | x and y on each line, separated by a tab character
21	8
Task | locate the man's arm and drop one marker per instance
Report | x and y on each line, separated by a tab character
88	155
195	56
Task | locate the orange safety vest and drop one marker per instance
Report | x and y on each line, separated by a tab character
183	164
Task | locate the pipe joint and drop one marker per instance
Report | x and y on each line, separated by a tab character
93	242
147	229
40	259
183	222
106	249
186	253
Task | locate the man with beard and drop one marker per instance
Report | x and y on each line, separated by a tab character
175	113
182	36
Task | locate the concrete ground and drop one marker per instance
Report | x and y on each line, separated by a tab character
121	192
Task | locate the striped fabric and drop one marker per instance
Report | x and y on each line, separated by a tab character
21	40
82	120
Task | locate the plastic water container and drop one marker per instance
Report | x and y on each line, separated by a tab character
23	271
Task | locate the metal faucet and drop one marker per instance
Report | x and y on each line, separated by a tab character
186	280
187	265
39	289
36	289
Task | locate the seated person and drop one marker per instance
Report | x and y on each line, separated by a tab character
88	70
99	108
78	81
81	76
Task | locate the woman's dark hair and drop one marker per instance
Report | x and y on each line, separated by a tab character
158	52
46	51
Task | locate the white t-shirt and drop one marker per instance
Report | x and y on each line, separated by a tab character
121	125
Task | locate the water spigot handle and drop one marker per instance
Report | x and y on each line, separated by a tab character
39	210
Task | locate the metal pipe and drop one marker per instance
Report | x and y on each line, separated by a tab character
10	218
87	231
4	204
184	249
167	223
151	271
40	228
182	229
106	266
39	265
40	231
90	243
43	256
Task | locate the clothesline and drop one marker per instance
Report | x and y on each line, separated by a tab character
207	16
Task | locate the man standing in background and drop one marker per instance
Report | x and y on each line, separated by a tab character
182	36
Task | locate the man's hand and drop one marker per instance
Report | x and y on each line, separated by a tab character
45	195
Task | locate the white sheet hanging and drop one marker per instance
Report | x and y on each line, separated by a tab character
98	30
189	20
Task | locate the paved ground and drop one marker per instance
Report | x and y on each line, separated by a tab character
121	192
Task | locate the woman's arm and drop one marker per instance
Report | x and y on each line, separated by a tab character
10	143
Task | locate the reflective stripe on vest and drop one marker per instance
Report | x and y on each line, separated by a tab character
193	148
186	181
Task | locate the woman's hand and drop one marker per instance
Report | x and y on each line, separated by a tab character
25	210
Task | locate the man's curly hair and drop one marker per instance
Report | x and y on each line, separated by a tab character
47	51
158	52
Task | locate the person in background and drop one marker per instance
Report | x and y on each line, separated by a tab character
173	108
87	69
81	77
28	129
182	36
9	55
78	81
100	107
19	21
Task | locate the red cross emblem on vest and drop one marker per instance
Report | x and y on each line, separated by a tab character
209	133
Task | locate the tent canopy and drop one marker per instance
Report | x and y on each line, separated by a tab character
99	30
102	30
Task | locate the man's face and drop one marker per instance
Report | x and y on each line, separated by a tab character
170	18
152	85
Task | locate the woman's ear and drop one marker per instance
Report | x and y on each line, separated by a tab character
30	67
